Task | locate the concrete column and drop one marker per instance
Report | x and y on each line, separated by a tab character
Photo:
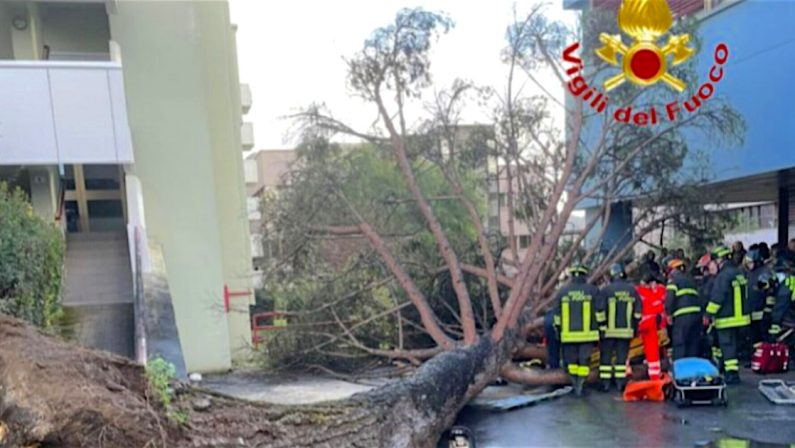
783	214
44	191
619	230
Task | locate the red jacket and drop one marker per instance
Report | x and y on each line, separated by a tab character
653	300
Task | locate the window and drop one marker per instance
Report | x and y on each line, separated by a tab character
524	241
503	200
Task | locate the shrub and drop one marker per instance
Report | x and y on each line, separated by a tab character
31	261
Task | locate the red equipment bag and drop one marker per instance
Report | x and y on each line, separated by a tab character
770	357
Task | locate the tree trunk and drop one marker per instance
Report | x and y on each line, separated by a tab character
53	392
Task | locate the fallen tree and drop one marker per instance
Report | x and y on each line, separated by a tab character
55	393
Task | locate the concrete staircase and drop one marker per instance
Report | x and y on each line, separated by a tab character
99	291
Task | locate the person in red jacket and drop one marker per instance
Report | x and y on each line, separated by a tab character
652	294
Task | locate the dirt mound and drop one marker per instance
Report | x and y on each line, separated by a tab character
59	394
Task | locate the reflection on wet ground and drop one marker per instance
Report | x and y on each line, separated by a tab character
604	420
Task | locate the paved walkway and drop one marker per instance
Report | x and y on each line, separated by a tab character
603	420
283	389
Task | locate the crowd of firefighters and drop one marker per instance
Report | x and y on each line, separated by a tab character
717	308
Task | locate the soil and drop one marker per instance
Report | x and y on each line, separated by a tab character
58	394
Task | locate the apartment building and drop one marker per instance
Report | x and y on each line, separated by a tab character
123	120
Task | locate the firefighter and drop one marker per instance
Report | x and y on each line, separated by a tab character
683	307
619	313
728	312
784	296
575	316
756	296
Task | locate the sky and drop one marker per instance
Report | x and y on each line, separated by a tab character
291	53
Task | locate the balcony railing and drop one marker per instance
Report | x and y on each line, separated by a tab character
63	113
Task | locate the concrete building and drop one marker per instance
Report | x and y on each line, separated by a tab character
123	121
265	174
761	171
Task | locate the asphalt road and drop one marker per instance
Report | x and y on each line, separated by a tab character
604	420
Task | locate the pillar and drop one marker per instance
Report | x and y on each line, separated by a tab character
783	214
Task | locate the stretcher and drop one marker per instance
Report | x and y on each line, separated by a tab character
698	381
777	391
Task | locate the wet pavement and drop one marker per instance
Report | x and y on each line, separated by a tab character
604	420
285	388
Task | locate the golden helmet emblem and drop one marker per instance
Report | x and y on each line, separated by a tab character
643	63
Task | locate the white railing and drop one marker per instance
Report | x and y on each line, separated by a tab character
63	112
140	260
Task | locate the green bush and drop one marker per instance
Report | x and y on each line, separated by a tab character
31	261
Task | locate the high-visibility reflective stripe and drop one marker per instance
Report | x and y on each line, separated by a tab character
732	322
605	375
584	335
611	313
731	365
738	295
686	291
757	315
687	310
620	374
607	368
713	308
586	315
619	333
629	314
573	368
768	310
583	370
600	316
556	320
771	300
579	336
774	329
671	287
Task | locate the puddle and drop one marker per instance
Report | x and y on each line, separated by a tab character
675	419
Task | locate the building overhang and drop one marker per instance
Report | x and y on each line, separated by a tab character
58	112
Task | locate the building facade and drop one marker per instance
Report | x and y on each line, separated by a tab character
760	171
123	121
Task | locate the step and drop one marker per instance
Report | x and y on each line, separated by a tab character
97	298
96	236
94	281
80	266
109	327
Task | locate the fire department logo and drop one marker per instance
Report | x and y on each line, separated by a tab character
643	62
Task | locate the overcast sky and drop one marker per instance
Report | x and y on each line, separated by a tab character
290	52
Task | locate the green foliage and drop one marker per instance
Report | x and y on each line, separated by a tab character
323	279
179	416
160	374
31	261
